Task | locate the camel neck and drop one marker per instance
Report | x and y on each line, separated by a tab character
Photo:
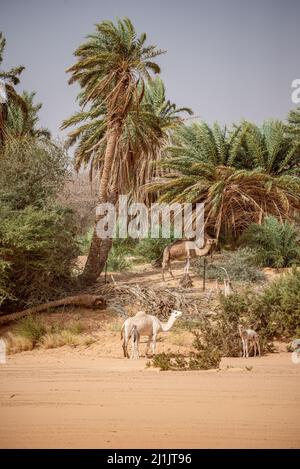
166	326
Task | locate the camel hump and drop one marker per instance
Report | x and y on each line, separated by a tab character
140	314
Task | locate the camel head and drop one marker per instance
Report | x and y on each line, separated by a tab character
176	314
211	241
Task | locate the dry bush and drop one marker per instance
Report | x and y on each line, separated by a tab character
17	343
204	356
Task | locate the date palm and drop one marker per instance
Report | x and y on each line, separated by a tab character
8	80
20	124
293	127
241	176
145	132
110	68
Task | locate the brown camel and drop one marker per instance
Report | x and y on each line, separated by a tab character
184	250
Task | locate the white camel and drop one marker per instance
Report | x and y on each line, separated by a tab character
249	335
144	324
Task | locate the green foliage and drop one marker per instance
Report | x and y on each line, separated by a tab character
117	261
240	266
31	173
205	356
39	246
275	244
20	123
274	313
84	241
32	328
237	174
151	249
5	286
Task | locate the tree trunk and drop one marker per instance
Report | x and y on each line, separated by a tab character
100	248
88	301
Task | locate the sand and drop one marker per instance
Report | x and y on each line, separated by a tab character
62	398
91	397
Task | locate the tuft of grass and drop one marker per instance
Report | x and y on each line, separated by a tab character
32	328
55	340
176	338
17	343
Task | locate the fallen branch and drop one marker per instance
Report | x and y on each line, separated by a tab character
88	301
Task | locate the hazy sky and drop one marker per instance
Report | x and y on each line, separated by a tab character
226	59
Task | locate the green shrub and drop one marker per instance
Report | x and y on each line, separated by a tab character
150	249
32	328
32	173
84	241
240	266
277	309
274	313
38	248
205	356
275	244
37	238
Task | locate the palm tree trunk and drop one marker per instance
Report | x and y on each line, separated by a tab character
100	248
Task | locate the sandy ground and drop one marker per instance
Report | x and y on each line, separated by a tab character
61	399
89	396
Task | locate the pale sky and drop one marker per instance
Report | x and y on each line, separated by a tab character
226	59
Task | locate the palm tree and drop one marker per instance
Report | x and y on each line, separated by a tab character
241	176
8	80
111	67
145	132
293	127
20	124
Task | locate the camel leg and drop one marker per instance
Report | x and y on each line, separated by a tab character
170	270
125	345
247	349
148	345
258	346
244	349
135	347
153	343
254	348
163	272
188	265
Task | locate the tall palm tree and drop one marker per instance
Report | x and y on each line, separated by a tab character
8	80
241	176
145	132
111	67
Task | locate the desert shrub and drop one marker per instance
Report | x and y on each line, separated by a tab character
32	172
275	244
238	309
150	249
239	264
117	259
274	313
32	328
37	250
37	237
205	356
84	241
277	309
17	343
6	288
